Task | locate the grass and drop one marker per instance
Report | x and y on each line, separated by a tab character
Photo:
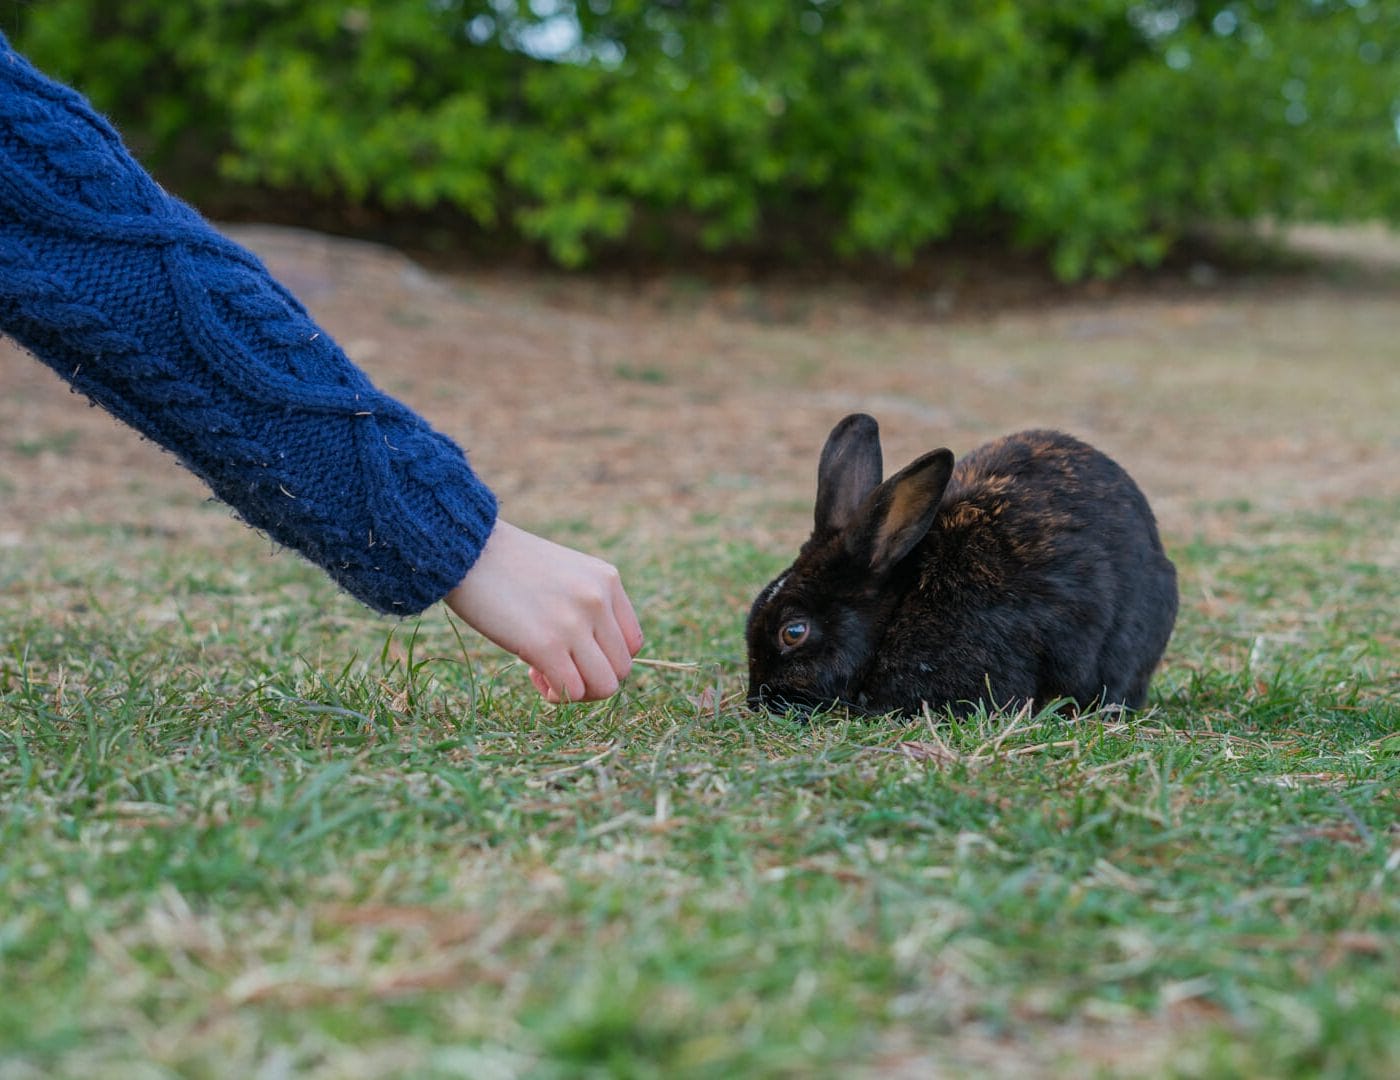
248	830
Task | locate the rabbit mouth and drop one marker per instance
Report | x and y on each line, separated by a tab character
768	700
804	705
760	700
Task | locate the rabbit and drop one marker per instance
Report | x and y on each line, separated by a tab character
1030	571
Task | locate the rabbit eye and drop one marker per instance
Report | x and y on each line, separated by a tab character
793	634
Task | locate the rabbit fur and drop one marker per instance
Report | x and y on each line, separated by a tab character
1030	570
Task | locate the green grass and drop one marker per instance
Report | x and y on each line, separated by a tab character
59	442
247	829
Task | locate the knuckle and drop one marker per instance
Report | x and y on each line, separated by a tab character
568	628
593	601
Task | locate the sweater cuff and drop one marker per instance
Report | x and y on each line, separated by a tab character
431	537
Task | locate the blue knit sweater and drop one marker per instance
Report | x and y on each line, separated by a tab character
142	306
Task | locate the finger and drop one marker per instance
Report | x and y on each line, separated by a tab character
599	678
561	678
608	637
626	618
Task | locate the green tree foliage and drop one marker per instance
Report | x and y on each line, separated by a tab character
1096	131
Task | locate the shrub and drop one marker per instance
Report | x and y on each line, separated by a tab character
1096	131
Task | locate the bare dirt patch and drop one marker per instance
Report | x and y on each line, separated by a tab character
663	404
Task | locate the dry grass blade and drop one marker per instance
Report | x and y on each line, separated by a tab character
665	665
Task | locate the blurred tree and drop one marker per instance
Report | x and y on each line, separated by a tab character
1096	131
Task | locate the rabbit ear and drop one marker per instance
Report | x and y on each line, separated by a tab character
850	469
898	514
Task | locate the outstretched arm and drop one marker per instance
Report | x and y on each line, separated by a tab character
136	301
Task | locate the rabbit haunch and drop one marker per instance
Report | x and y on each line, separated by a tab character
1031	570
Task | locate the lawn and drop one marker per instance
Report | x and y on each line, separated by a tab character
249	829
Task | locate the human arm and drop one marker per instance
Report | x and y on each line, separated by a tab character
141	305
136	301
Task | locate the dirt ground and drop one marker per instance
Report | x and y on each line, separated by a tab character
651	406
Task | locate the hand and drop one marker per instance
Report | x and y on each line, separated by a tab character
564	613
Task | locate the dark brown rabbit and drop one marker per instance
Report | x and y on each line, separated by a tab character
1030	571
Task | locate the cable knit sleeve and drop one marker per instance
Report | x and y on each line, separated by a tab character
136	301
